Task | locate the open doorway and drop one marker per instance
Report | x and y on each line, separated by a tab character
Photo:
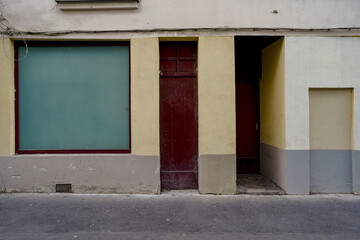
248	72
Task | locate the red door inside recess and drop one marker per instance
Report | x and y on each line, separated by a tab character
178	115
247	134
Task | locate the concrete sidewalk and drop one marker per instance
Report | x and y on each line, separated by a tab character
178	215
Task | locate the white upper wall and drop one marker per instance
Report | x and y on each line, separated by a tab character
45	15
318	62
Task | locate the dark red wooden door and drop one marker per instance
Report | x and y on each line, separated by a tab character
178	115
247	134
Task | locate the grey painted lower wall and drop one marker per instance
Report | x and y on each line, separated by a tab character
356	171
311	171
331	171
113	173
272	164
217	174
289	169
297	172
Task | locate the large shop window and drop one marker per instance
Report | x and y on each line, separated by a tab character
72	98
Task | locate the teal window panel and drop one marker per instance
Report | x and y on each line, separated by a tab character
73	97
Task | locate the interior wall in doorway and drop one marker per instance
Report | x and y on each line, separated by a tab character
272	113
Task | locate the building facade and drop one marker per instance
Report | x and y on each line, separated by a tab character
131	96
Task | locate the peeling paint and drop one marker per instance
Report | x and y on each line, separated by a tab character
71	166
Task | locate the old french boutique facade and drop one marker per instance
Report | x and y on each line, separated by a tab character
130	96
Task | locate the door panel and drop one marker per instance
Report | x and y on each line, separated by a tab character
178	116
247	134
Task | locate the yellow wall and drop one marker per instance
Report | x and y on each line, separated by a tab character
7	117
145	96
216	99
272	95
330	118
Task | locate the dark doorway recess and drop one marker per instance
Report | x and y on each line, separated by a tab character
178	115
248	73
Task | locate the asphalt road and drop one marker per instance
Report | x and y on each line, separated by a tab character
177	215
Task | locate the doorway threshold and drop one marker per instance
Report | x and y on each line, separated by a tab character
256	184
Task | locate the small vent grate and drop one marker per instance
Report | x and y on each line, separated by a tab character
63	188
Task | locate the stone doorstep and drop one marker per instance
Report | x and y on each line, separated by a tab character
252	184
256	184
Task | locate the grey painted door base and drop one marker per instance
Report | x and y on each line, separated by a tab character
330	171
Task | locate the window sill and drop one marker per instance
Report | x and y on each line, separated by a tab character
77	5
37	155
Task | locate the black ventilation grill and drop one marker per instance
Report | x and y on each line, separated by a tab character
63	188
